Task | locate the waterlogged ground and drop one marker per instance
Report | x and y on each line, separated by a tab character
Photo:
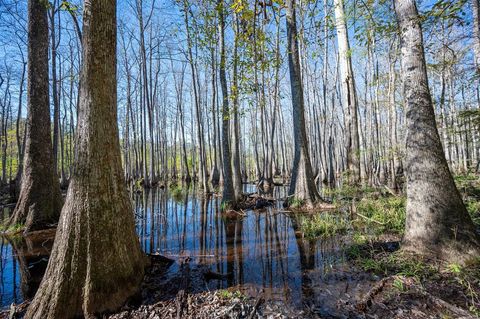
260	251
315	265
256	252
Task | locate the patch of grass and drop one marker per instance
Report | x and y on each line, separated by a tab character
469	186
468	180
397	264
473	208
386	214
347	192
323	225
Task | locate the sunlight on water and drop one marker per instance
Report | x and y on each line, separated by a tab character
252	251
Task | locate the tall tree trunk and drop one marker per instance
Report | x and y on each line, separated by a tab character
349	94
437	220
215	174
237	174
476	33
196	94
20	141
302	185
228	195
96	261
55	94
40	201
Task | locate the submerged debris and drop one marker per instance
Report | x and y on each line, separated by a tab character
215	304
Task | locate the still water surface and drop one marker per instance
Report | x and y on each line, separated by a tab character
258	251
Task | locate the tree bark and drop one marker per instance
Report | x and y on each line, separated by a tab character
228	196
349	95
437	221
237	175
476	34
40	201
96	262
302	185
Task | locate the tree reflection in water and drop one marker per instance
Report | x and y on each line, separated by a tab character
253	251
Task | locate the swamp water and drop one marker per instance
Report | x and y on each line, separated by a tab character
262	251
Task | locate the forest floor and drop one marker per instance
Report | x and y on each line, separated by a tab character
389	282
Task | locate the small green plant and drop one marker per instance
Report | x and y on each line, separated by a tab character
454	268
397	283
227	294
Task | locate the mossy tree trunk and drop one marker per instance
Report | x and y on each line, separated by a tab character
96	261
437	222
40	201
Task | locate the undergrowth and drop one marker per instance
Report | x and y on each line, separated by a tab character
227	294
384	214
323	225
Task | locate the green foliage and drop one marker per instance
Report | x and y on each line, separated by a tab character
469	185
385	214
347	192
398	264
68	6
473	208
397	283
323	225
227	294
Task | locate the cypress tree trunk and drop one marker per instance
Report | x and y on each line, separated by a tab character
237	174
437	221
228	195
302	185
476	33
40	201
96	261
349	95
